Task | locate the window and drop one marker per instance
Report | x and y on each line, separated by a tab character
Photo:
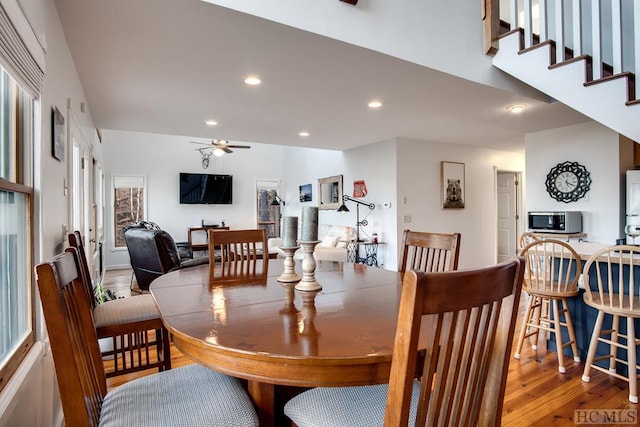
128	205
16	296
268	211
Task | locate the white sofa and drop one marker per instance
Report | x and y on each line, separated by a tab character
332	246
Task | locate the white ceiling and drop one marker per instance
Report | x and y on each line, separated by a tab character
165	66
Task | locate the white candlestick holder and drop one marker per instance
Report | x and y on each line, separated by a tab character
308	282
289	274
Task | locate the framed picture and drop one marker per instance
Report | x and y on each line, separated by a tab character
305	193
359	188
57	138
452	187
330	192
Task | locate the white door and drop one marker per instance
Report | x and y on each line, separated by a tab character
81	184
98	220
508	214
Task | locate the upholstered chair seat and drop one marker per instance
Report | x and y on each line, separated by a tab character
345	406
125	310
192	395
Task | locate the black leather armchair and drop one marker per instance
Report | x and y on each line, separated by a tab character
153	252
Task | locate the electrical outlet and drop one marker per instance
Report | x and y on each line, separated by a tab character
406	219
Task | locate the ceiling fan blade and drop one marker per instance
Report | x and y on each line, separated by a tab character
225	149
200	143
238	146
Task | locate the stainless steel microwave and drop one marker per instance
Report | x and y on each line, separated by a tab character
556	222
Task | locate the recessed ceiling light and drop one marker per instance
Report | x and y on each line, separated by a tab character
252	81
211	123
517	108
375	104
304	133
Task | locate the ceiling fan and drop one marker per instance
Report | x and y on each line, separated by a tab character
218	146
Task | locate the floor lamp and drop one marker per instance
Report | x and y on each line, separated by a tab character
344	208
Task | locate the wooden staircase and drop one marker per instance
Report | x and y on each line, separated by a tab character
605	93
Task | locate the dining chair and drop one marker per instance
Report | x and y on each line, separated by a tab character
467	315
186	396
238	256
139	340
527	237
611	280
551	276
429	252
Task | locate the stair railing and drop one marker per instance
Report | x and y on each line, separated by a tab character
608	31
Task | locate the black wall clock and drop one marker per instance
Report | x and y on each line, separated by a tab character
568	182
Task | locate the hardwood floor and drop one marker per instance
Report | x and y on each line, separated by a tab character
537	394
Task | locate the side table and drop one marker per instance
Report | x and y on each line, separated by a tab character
370	252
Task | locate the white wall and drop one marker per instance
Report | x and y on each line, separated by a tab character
31	397
160	158
597	148
374	163
419	182
402	168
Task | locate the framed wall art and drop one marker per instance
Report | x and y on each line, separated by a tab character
359	188
452	186
305	193
330	192
58	137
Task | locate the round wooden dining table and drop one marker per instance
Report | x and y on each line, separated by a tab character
273	335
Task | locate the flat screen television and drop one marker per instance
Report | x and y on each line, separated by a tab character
206	189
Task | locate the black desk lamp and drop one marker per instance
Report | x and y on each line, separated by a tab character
277	201
344	208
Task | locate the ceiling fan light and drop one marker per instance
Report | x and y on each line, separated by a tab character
218	152
517	108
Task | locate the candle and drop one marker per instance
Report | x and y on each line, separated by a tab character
289	231
309	224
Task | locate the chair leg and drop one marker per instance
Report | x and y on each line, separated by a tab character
523	330
572	333
537	318
632	369
615	332
557	327
166	349
593	344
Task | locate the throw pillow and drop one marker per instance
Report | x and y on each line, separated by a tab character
329	241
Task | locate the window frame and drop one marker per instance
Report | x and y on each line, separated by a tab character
272	226
23	141
114	229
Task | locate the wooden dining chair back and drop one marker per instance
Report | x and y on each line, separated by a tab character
138	339
73	338
551	276
527	237
238	256
612	286
190	395
75	241
429	252
465	320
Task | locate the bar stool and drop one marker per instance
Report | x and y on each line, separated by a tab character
552	271
620	299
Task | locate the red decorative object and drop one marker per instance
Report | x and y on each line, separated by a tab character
359	188
353	2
